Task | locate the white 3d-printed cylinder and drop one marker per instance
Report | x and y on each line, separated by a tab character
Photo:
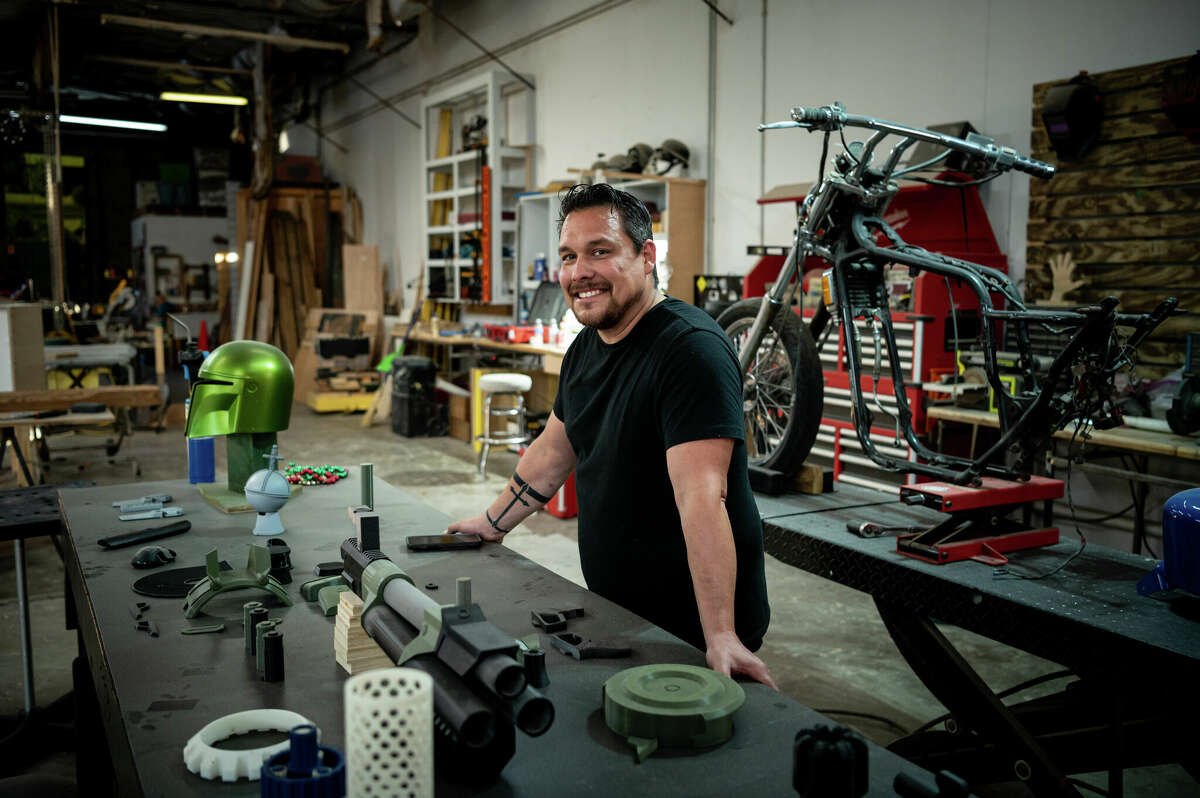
389	733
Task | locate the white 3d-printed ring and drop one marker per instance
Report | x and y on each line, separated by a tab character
210	763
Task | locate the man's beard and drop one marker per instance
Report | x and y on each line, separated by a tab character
612	314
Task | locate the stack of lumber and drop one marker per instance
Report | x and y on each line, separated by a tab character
282	286
284	236
353	648
1126	214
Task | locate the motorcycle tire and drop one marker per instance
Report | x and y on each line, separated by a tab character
784	390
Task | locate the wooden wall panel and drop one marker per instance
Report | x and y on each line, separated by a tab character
1127	213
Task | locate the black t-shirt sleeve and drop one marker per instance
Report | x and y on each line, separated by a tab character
700	391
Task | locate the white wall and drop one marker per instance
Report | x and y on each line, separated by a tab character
638	71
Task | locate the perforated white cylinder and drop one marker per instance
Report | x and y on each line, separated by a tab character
389	734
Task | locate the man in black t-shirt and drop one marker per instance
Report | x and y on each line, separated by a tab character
649	416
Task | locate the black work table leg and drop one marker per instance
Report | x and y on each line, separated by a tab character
952	680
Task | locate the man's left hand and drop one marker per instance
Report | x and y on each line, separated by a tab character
727	655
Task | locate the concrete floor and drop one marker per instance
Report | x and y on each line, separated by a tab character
826	646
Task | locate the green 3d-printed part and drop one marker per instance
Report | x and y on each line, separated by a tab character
256	574
311	590
203	630
243	386
671	705
329	596
259	631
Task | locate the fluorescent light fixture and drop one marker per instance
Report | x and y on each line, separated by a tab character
121	123
218	99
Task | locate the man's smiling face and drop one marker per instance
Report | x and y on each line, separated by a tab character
604	278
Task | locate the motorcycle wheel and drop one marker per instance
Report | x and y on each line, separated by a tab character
783	390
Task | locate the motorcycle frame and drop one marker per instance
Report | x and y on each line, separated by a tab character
1027	420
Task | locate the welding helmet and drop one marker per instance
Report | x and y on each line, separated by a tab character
1180	566
243	386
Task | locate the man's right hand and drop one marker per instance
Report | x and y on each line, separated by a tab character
478	525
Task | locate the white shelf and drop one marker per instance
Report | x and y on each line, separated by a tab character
450	160
508	113
507	226
468	191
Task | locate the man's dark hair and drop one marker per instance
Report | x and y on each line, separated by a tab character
635	218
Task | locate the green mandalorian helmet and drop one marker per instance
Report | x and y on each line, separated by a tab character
243	386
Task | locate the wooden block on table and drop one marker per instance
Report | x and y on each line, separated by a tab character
353	648
813	479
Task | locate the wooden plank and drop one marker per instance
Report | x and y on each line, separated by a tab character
363	277
286	321
1117	153
224	300
1184	198
1178	173
1133	226
1129	127
1134	251
304	253
685	228
1138	100
1133	300
299	306
1099	277
109	395
265	319
254	269
1115	79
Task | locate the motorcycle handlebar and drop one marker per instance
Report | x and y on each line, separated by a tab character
834	117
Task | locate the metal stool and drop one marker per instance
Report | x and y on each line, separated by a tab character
502	383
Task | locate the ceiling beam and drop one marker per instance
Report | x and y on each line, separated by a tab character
228	33
173	65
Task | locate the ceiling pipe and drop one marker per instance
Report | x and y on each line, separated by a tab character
280	40
172	65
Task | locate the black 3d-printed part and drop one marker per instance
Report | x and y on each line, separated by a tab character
174	583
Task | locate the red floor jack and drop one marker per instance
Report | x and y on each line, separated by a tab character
977	526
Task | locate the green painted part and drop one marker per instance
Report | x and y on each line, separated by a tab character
247	635
642	747
674	705
375	577
426	641
243	386
310	590
229	501
329	597
244	453
259	631
202	630
254	575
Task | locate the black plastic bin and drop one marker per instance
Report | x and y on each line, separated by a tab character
414	410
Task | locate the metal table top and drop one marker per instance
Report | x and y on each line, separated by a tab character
155	693
1087	616
29	512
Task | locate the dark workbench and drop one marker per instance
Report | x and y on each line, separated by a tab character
1138	657
155	693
